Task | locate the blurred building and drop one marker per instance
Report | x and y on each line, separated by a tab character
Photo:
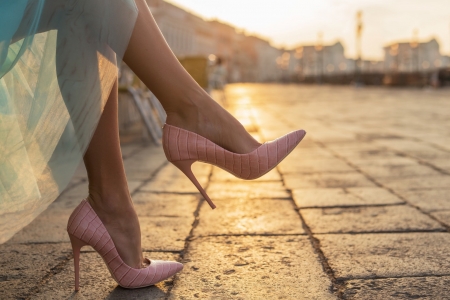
318	60
413	56
257	59
186	33
365	66
247	58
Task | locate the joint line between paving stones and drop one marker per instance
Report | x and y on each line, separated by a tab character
420	161
152	176
191	232
53	271
344	279
169	193
247	234
374	181
436	146
315	243
383	232
353	206
134	152
143	250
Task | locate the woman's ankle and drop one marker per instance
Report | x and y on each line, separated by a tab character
111	205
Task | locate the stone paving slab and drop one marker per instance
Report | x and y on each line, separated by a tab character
417	149
354	256
442	164
311	152
247	267
166	219
220	175
368	219
133	185
244	216
396	171
301	165
130	149
97	283
22	267
326	180
165	205
172	180
331	197
428	288
165	233
415	183
71	196
384	161
375	195
144	163
367	152
442	216
429	199
354	148
247	190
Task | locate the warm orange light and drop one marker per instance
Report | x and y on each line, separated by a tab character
299	52
286	56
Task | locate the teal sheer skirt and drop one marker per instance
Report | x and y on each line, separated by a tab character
58	63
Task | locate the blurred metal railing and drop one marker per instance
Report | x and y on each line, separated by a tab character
137	105
151	111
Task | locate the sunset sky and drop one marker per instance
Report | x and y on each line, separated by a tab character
292	22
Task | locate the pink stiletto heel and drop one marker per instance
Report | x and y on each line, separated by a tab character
85	228
76	247
185	166
182	148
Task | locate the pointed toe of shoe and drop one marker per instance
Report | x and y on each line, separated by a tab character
299	134
291	140
170	268
174	266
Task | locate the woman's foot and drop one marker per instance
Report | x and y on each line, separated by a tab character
121	221
208	119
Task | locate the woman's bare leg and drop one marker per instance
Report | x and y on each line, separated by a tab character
187	105
108	188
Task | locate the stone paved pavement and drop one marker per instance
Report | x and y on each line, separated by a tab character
360	210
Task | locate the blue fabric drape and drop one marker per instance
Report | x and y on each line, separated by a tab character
58	63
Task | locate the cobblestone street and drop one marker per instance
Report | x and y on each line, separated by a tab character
359	210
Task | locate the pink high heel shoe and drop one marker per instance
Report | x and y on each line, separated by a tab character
183	148
85	228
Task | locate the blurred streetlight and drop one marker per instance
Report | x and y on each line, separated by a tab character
415	50
319	51
299	57
359	28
